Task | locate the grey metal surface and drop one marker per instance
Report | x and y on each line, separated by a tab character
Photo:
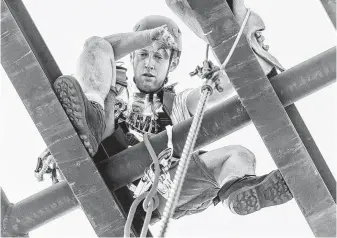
312	149
40	208
34	39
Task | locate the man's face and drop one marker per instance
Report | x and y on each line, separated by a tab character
150	67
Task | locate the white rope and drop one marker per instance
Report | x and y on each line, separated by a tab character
236	40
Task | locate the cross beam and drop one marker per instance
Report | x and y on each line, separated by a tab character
257	95
31	69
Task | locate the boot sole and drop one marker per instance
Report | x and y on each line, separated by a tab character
69	93
270	192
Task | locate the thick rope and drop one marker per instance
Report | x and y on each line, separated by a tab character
189	145
132	211
147	219
155	160
151	201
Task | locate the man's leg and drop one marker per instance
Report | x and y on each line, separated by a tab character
96	68
233	167
229	162
83	99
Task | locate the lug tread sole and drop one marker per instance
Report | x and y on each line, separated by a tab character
270	192
69	94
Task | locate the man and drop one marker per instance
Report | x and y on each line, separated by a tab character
99	105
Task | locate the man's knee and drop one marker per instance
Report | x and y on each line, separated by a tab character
241	155
242	151
98	43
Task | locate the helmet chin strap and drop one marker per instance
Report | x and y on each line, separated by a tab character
165	80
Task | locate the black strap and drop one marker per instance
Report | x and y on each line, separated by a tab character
112	145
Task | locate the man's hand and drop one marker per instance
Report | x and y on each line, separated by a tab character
222	85
46	165
162	38
217	75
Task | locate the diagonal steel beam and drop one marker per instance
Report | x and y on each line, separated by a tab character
31	70
268	114
34	39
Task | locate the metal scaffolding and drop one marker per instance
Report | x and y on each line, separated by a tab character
32	69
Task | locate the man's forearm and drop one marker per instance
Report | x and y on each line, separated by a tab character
125	43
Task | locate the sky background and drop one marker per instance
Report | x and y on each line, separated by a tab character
296	31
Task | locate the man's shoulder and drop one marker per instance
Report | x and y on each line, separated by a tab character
184	93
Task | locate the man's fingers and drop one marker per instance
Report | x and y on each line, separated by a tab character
174	46
212	71
163	38
217	83
211	64
219	88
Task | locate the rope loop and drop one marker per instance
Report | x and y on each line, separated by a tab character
152	205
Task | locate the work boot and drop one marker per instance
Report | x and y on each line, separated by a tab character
86	116
253	31
251	193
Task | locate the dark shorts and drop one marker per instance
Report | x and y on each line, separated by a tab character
198	191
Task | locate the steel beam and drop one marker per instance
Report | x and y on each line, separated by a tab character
29	72
5	208
330	8
266	111
312	149
222	119
38	209
34	39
